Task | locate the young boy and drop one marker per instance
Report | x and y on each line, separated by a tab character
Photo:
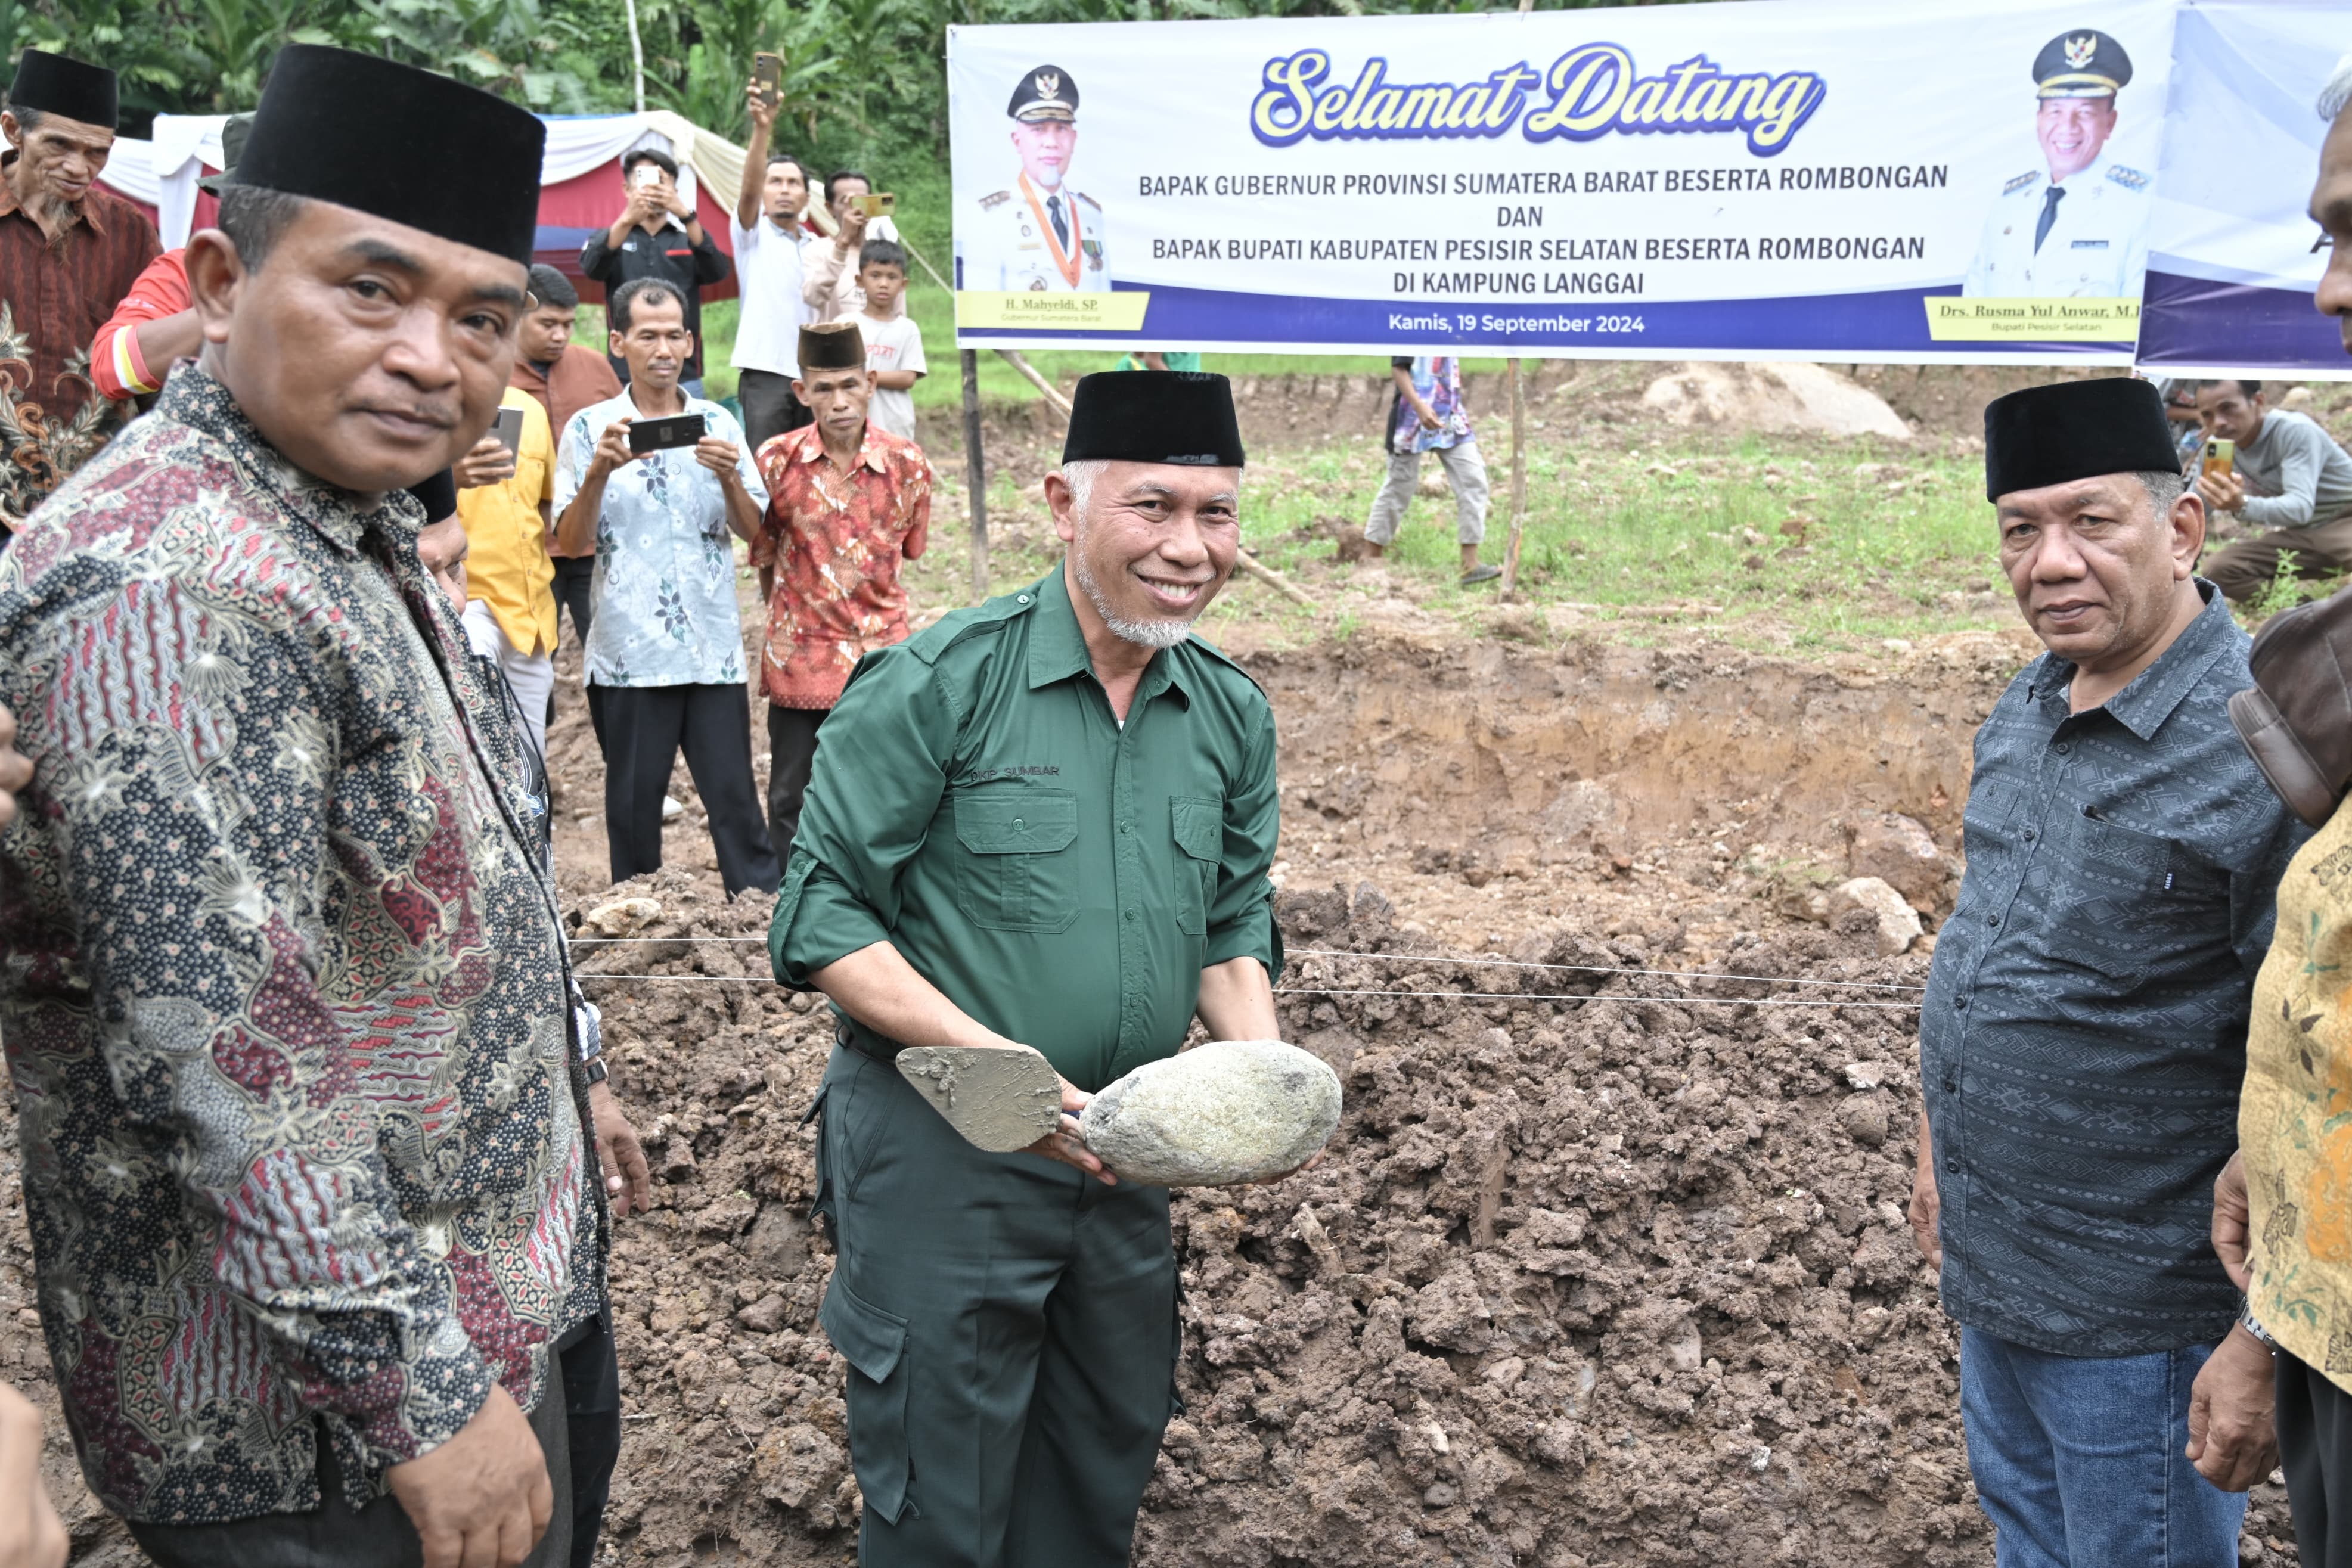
894	344
1427	415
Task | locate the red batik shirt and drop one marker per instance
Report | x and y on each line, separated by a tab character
834	541
53	299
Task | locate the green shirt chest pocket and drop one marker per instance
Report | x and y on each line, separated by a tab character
1017	870
1199	825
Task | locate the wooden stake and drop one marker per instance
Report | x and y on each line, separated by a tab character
1518	481
976	474
1036	379
1246	562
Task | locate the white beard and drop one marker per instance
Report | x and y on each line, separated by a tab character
1164	632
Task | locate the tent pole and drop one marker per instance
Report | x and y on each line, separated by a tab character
976	474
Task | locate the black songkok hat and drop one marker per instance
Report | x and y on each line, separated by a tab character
1154	416
383	139
832	346
2075	430
56	85
437	495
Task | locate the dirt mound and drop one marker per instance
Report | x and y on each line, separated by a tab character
1774	398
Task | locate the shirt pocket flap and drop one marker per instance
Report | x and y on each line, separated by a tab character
1200	826
868	1338
1031	822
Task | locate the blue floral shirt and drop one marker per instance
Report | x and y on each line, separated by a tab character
665	587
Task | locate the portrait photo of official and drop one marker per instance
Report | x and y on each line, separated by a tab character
1040	234
2077	226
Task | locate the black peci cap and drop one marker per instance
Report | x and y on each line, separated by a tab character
56	85
2084	63
2075	430
384	138
1183	417
832	346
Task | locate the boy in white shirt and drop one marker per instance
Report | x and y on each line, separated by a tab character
894	344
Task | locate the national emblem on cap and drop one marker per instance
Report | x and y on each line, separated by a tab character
2081	63
1045	93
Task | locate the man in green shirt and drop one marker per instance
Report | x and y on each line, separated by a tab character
1047	820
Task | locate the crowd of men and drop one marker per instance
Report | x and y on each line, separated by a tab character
321	1154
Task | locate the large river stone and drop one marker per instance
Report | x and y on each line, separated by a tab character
1231	1110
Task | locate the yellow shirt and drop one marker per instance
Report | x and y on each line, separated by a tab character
507	564
2295	1119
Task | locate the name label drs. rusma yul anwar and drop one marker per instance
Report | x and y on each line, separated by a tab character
1588	91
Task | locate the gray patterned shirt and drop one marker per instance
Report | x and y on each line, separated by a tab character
2084	1030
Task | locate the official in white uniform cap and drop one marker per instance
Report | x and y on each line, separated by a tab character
1040	235
2079	228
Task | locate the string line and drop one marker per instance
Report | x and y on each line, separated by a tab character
1427	996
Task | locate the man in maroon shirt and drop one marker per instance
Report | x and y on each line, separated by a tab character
69	252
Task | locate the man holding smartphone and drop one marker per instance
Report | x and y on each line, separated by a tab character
656	235
665	651
505	488
2286	476
767	232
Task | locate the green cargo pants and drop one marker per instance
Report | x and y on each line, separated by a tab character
1011	1330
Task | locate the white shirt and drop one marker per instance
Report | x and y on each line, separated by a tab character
768	275
893	345
1005	245
2095	248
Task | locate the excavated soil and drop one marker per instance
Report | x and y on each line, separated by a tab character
1603	1268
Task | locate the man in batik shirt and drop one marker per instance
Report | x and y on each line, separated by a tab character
306	1137
846	503
69	251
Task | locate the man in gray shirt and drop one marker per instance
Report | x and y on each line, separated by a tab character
2290	480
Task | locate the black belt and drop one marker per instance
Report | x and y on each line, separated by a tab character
865	1042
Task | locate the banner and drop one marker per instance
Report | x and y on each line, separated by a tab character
1926	182
2234	258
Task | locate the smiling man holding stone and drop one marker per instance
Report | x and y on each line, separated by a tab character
1047	821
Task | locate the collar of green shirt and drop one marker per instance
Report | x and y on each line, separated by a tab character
2144	705
1057	647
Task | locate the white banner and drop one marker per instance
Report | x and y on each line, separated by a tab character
1816	179
2234	257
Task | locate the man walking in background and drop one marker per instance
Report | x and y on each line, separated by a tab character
69	252
765	227
565	377
2081	1044
666	653
2289	478
1426	414
847	501
657	235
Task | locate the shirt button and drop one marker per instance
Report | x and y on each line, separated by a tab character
1020	599
1989	919
1960	1004
1951	1086
1127	827
1019	826
2028	835
1952	1167
1130	915
2060	749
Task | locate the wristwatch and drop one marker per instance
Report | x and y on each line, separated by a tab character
2248	1322
597	1072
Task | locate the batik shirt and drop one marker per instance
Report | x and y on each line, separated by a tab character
834	541
1438	380
283	998
53	299
665	582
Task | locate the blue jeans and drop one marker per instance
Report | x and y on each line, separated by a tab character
2079	1461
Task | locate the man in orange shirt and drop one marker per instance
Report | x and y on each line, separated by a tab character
846	503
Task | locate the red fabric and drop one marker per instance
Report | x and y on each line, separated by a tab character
592	201
834	541
162	290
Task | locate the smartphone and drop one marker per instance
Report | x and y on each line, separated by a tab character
876	206
655	435
768	70
646	174
2220	456
508	428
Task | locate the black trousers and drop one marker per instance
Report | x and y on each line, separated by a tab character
377	1536
644	729
792	750
592	1407
575	582
2315	1434
770	409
